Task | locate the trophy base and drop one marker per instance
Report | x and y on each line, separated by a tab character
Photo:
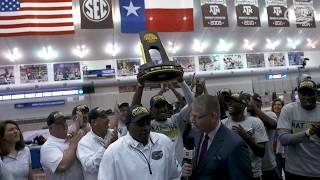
150	73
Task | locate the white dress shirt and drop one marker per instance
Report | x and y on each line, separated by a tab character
51	154
90	151
128	159
19	166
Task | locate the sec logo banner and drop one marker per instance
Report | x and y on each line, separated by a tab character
96	14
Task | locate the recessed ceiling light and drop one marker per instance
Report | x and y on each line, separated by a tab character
112	49
199	46
13	55
224	46
81	51
272	45
48	53
248	45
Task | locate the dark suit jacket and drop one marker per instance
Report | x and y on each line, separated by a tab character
226	158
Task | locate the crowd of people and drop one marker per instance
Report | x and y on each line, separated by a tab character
232	138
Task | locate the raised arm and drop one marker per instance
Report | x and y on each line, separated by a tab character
136	100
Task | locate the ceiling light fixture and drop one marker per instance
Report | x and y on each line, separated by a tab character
81	51
13	55
48	53
272	45
224	46
292	44
112	49
199	46
312	44
173	47
247	45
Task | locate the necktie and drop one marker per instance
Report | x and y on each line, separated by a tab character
204	147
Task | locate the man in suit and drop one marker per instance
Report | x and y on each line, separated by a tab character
220	154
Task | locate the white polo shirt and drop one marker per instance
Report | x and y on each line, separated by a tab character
19	166
51	154
4	172
90	151
128	159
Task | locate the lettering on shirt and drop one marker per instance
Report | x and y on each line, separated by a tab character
298	126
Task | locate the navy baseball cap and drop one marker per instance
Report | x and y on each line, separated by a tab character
157	99
98	112
307	85
56	117
82	108
137	113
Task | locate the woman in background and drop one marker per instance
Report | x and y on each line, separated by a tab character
15	156
276	107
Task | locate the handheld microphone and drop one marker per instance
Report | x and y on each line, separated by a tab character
188	152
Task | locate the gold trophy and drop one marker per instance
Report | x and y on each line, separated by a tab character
153	71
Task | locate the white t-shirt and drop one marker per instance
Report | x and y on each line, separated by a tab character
128	159
302	158
259	134
19	166
51	154
269	159
90	151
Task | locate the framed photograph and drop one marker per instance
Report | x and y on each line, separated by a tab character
67	71
233	61
128	67
276	59
33	73
255	60
7	75
295	58
209	63
187	63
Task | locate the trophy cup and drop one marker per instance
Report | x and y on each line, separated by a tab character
152	71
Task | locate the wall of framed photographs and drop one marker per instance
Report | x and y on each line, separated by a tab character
223	64
23	74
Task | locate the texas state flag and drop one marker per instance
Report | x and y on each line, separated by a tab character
156	15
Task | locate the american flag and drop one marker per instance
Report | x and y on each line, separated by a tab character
35	17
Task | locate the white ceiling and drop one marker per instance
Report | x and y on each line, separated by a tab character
97	40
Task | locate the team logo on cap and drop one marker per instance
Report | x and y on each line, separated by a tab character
308	84
58	115
99	110
139	110
159	98
236	95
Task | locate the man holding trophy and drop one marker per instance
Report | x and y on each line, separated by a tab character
152	72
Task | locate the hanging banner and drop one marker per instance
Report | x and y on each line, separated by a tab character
96	14
277	13
214	13
304	12
247	13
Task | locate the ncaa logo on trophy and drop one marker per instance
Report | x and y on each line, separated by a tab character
152	71
96	10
